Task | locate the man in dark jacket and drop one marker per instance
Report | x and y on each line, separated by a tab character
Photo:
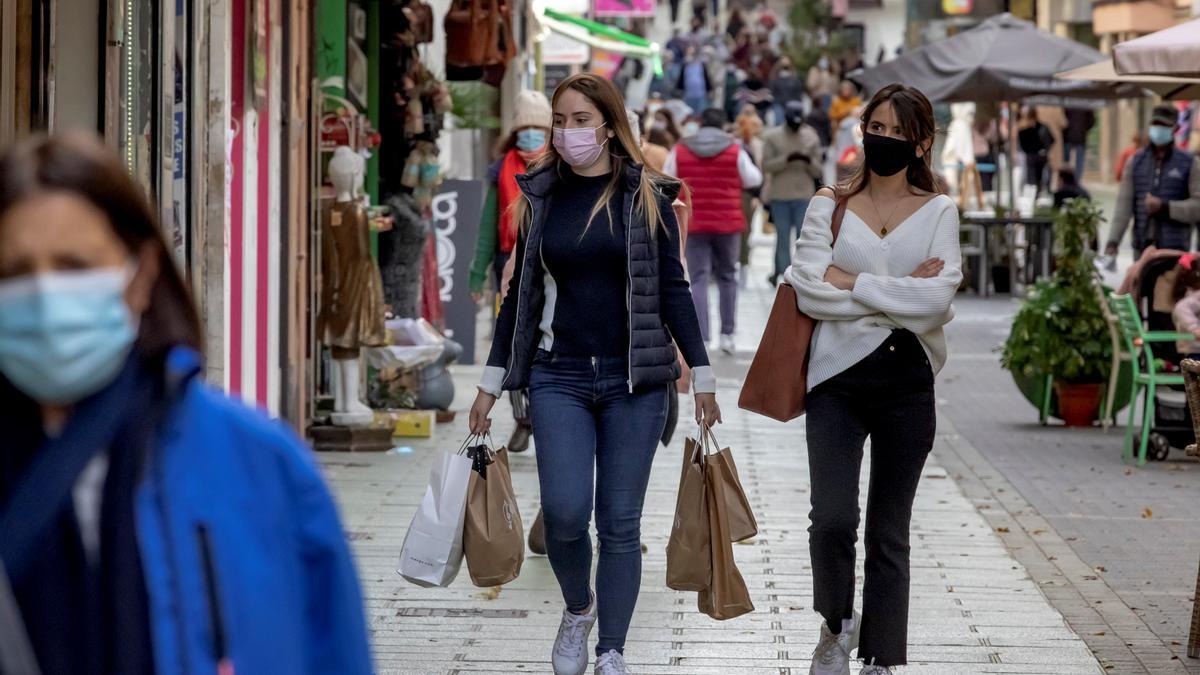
1160	191
716	170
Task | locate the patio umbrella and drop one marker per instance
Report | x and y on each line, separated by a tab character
1001	59
1173	88
1174	51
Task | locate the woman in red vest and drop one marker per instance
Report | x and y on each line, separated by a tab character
526	142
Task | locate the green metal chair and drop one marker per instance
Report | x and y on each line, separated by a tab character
1147	375
1120	355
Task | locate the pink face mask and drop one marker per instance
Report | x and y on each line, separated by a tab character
578	147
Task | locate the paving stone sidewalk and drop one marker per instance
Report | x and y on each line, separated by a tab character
975	608
1132	532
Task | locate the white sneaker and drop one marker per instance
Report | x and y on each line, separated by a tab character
875	670
832	655
611	663
727	344
570	655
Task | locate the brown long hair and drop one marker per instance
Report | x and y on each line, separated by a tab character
80	164
914	113
622	147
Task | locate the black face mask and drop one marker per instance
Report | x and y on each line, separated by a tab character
887	156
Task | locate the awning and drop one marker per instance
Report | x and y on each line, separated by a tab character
599	35
1173	51
1174	88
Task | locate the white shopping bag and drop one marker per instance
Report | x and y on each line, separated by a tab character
432	551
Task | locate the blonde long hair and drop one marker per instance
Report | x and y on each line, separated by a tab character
623	148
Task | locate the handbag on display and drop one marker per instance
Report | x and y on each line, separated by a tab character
777	381
432	552
420	18
493	539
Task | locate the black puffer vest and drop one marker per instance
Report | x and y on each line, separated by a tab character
1168	181
652	357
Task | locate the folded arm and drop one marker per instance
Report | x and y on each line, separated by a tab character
919	304
811	257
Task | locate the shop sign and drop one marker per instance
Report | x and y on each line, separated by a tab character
560	50
624	8
926	10
605	63
456	210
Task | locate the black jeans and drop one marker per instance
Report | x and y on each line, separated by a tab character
888	397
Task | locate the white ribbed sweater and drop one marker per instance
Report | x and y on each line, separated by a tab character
852	324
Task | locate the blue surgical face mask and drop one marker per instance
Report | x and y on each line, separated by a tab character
1160	135
65	335
531	139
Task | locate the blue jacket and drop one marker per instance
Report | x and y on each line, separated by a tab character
228	480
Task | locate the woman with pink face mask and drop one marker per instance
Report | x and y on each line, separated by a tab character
597	296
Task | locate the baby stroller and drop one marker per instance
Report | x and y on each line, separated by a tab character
1172	423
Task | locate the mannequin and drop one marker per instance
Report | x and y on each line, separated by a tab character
352	310
958	155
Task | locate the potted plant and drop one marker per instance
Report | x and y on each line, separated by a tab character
1060	329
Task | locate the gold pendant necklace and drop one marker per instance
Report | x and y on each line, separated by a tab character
883	231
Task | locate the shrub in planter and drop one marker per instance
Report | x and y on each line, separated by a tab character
1060	329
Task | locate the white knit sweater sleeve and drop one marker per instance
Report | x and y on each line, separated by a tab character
919	305
811	256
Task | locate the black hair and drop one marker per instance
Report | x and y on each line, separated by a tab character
713	117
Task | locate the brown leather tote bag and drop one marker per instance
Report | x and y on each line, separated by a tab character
778	377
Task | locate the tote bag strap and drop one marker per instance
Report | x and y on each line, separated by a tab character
839	212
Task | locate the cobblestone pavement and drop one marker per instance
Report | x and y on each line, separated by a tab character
975	608
1106	533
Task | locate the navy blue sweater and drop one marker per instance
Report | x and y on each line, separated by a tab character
585	292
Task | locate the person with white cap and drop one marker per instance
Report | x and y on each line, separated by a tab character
527	139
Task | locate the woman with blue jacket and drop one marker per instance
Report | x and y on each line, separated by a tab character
147	523
589	325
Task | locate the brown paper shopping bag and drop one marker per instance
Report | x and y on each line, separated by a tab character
688	558
493	539
727	596
742	524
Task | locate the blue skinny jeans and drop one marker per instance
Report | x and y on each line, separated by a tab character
595	438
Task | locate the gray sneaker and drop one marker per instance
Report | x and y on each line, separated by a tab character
611	663
875	670
832	655
570	655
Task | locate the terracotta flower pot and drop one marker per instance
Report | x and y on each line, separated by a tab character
1078	404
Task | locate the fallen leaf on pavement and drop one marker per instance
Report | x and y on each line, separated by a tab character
1002	530
1147	512
490	594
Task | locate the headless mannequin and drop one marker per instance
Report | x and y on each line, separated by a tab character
346	171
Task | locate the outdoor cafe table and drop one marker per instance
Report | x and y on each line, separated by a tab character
1041	243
